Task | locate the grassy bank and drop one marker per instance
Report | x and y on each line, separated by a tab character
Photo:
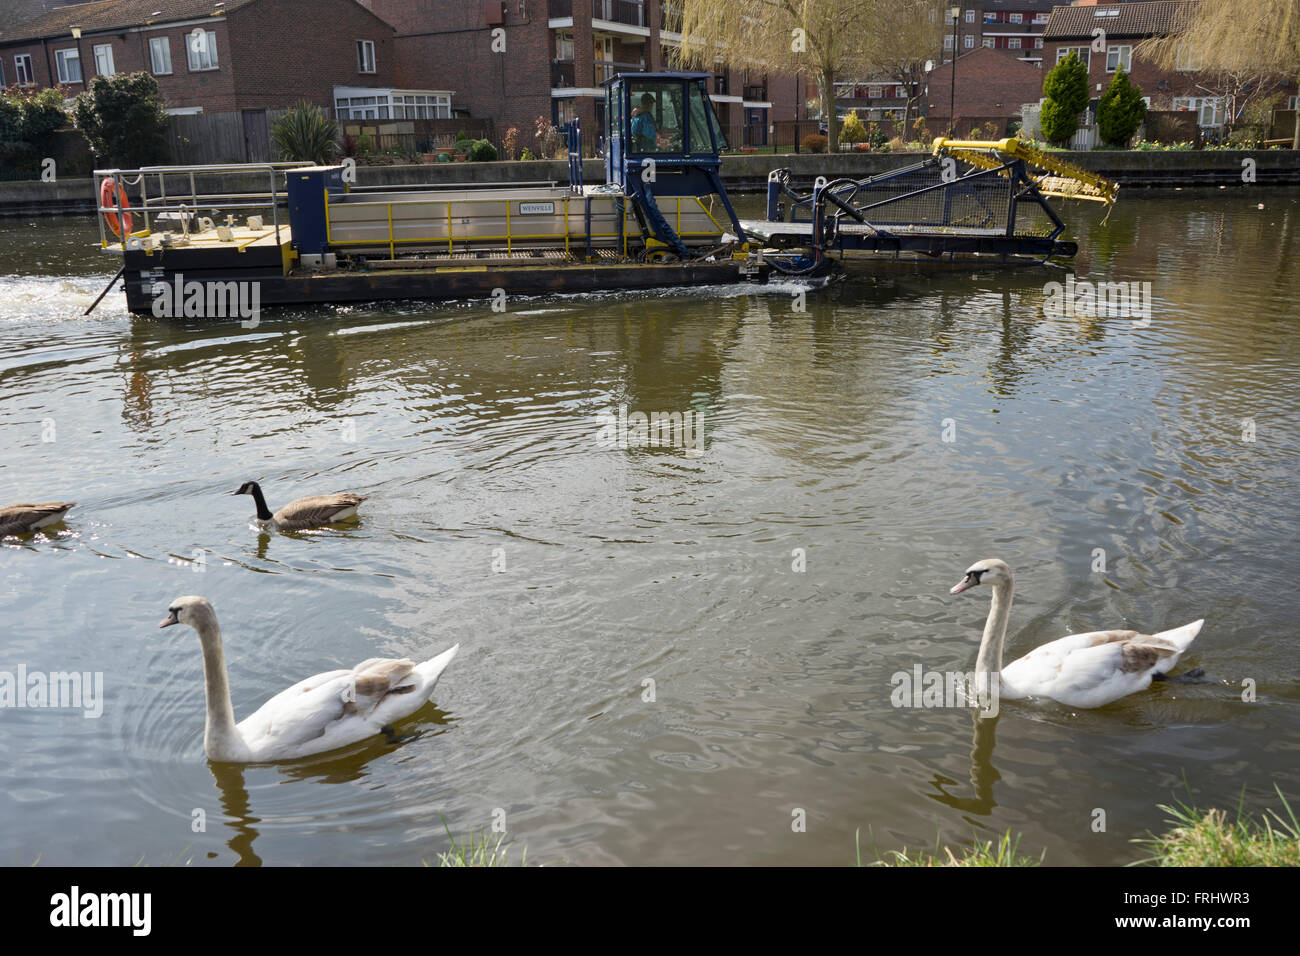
1195	838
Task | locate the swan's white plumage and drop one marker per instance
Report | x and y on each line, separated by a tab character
325	712
1079	670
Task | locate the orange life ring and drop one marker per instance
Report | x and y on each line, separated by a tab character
106	199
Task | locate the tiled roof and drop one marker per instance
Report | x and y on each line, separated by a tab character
115	15
1022	6
1149	18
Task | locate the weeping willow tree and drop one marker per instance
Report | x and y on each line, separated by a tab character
824	40
1260	38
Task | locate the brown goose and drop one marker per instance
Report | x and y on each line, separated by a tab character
20	519
309	512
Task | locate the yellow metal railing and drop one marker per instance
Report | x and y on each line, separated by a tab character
510	237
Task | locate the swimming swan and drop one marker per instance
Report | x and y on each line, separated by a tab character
321	713
1082	670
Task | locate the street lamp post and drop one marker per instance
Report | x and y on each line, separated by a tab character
952	90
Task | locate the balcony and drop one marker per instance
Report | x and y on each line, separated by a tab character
562	74
629	12
608	69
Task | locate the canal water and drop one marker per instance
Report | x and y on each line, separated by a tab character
683	654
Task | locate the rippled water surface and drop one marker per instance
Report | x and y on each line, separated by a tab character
573	574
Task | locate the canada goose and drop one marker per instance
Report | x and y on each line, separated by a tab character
20	519
1081	670
310	512
325	712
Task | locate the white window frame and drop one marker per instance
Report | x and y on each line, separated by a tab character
366	56
104	66
1123	58
968	41
205	60
1082	52
23	74
165	45
61	58
947	41
1198	105
1293	102
1013	43
970	15
1186	62
988	42
1016	18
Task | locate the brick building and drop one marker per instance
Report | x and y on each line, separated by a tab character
247	55
523	59
1125	25
989	86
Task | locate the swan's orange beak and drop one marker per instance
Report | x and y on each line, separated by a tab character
967	582
169	620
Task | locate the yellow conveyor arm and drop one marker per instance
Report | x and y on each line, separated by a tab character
1059	178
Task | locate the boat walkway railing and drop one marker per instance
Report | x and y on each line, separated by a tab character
183	202
446	214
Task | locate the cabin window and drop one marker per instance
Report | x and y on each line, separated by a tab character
656	125
160	56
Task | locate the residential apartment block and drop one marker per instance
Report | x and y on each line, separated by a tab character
207	55
1074	29
518	60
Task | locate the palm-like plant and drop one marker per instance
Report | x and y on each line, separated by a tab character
305	133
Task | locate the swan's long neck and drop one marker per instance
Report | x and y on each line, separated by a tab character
221	738
989	660
263	512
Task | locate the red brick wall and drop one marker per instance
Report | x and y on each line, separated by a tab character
211	89
1143	73
289	50
988	84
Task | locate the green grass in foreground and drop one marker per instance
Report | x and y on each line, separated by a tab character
1004	852
478	850
1198	838
1209	838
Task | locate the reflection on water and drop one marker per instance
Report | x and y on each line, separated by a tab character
663	655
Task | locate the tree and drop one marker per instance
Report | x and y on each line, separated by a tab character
1256	38
1120	111
28	122
821	39
853	131
907	34
1066	89
123	120
306	133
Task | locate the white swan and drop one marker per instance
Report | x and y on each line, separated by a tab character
1082	670
321	713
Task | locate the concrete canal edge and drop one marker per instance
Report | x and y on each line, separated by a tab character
741	173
